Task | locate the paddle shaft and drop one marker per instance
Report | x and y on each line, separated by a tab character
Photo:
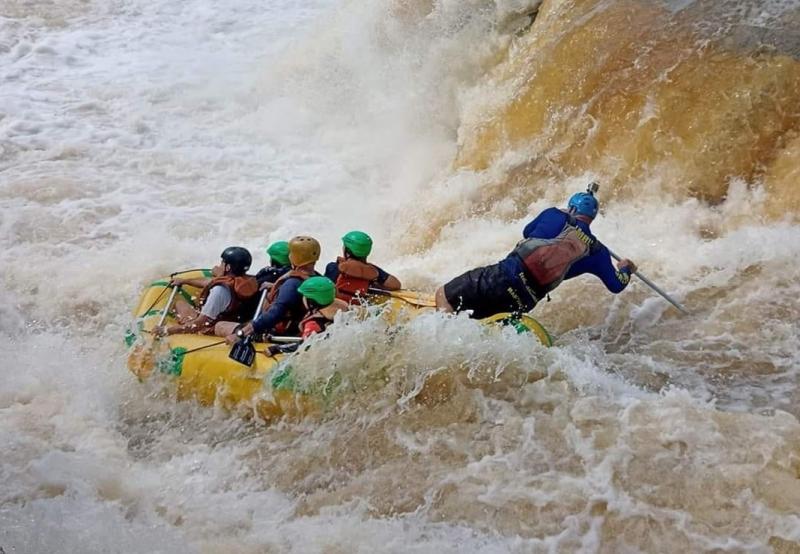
204	347
272	338
413	298
260	303
653	286
168	306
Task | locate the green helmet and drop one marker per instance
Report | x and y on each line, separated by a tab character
358	242
319	289
279	251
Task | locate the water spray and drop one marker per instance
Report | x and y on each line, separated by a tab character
592	188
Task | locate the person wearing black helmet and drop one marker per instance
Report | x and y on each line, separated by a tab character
556	245
226	296
284	307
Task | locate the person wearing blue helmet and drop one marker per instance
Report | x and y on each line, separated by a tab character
556	245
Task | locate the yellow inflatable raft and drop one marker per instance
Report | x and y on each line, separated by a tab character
204	372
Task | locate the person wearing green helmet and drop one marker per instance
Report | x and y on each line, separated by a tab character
319	296
284	309
279	264
351	272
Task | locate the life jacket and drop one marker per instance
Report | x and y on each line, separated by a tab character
243	289
547	261
323	316
355	278
296	313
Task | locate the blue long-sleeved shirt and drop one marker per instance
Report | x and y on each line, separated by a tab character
287	302
548	225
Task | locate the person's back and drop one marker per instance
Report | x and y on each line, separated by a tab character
353	274
548	225
556	245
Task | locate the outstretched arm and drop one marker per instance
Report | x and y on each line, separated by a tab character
614	278
391	283
387	281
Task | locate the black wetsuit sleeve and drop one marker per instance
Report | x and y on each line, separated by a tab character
382	275
332	271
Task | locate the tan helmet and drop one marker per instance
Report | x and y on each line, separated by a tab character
303	251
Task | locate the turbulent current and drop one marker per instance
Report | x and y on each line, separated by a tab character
138	137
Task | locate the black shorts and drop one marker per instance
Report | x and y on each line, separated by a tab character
487	291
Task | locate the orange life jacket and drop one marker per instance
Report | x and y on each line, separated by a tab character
355	278
242	289
296	314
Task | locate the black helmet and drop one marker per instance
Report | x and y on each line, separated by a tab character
238	258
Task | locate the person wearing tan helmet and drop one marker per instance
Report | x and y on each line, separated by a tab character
284	308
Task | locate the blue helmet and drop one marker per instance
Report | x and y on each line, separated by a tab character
583	203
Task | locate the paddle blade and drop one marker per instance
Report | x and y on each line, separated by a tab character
142	360
417	299
243	352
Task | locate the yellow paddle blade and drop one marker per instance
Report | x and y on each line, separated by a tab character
142	360
523	323
418	299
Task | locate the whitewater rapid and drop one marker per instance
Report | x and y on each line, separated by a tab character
142	136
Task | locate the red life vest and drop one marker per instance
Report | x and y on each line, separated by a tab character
295	314
355	278
322	317
242	288
547	261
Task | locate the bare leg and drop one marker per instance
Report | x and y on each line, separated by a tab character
225	328
185	311
441	301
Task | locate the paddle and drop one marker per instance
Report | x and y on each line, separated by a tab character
141	360
168	306
260	303
652	285
290	344
592	189
243	351
272	338
418	299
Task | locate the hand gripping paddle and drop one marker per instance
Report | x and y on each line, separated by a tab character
243	352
